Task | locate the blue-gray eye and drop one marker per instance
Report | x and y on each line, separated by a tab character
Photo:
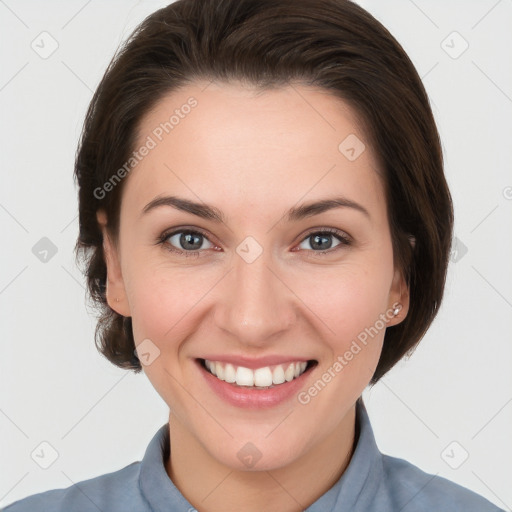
322	240
187	241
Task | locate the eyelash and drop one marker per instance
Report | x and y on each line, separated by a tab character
162	240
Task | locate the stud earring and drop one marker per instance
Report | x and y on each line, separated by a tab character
117	299
397	310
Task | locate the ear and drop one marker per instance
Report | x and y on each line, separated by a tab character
115	290
398	299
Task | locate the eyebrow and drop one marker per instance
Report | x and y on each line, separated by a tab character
209	212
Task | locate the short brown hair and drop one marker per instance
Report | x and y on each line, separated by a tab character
332	44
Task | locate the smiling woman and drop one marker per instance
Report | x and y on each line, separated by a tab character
264	255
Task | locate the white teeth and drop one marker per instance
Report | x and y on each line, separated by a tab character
220	371
229	373
278	375
261	377
290	372
244	376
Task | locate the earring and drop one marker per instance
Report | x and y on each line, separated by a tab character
397	310
117	299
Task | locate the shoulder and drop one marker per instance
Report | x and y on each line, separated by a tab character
414	490
116	491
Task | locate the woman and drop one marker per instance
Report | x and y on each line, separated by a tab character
266	228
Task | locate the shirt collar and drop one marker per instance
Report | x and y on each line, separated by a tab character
357	485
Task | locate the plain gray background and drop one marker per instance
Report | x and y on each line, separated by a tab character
447	409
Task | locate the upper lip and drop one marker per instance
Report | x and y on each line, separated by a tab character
254	363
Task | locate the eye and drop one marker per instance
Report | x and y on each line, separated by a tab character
187	241
321	241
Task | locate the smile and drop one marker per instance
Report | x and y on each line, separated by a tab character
259	378
259	388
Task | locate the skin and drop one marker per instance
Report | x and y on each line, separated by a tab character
254	156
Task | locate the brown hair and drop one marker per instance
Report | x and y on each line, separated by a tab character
333	44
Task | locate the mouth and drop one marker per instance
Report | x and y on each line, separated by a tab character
264	378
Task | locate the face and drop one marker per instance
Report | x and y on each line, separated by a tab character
257	282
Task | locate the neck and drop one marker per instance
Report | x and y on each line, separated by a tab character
210	486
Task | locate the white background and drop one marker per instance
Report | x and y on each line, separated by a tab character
55	387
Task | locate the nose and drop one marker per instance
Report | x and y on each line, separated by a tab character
256	303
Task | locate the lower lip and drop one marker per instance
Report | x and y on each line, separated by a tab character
253	398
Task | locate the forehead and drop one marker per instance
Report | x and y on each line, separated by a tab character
217	141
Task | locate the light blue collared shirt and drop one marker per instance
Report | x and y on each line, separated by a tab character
372	482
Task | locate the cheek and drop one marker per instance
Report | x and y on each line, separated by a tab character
162	304
168	303
160	301
348	300
352	322
351	302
